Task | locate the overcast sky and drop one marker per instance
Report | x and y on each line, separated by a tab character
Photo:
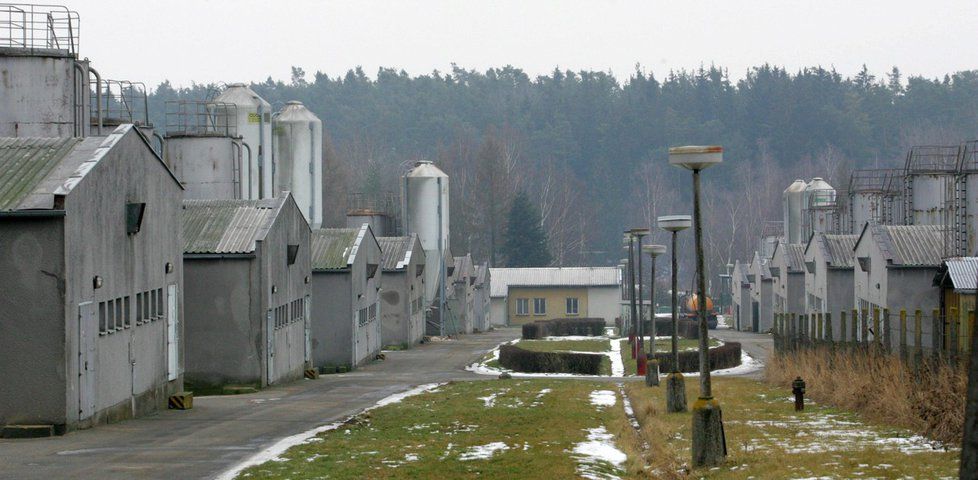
221	40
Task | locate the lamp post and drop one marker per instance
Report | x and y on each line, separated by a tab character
709	448
640	359
631	291
675	383
652	365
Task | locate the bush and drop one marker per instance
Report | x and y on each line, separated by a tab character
520	360
562	327
663	326
724	356
881	387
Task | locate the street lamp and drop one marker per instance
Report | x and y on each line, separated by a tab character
630	246
652	369
641	360
708	443
675	383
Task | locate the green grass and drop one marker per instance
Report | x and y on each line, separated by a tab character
661	345
425	436
767	439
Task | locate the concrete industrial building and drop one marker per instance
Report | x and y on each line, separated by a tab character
895	269
91	326
461	279
788	269
740	296
402	296
248	291
481	299
956	280
829	262
346	282
761	295
522	295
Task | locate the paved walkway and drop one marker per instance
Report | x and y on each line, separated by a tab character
222	431
756	345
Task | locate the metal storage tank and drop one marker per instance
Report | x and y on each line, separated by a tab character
206	158
819	208
298	158
931	188
792	199
46	88
254	125
426	213
875	195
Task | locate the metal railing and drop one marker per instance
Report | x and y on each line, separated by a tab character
932	158
39	27
879	180
201	118
120	101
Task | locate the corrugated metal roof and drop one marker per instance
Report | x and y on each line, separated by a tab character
794	256
25	162
911	245
227	226
395	252
963	272
503	278
839	250
334	248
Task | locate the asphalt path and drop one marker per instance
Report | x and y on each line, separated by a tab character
222	431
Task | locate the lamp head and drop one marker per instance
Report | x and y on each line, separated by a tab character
675	223
696	157
640	232
654	250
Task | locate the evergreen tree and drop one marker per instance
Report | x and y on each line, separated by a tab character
526	242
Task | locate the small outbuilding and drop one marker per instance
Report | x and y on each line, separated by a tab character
402	297
346	282
480	301
461	277
761	294
829	262
523	295
957	280
91	313
895	269
248	303
740	281
788	268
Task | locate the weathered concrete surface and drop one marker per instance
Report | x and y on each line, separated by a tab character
222	431
756	345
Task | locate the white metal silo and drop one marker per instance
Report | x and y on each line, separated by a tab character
297	138
206	159
932	189
255	127
426	213
820	209
792	200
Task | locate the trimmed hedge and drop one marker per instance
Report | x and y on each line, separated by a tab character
724	356
520	360
562	327
663	326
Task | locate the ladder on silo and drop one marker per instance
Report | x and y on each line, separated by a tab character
960	213
908	199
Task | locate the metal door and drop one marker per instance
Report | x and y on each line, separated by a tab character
270	348
172	340
755	316
307	316
87	334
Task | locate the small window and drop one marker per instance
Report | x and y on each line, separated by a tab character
127	312
139	308
539	306
522	306
103	319
572	305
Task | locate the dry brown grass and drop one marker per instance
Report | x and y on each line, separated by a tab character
880	387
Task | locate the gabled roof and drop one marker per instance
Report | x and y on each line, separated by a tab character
481	274
740	272
962	272
396	252
227	226
907	245
463	269
794	257
35	170
838	250
335	248
503	278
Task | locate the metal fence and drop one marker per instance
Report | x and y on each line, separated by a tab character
120	101
39	27
201	118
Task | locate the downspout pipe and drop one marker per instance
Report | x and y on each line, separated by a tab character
98	99
250	193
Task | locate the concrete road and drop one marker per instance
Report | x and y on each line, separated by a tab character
222	431
756	345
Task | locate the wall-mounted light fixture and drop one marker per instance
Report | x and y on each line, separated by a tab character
168	268
274	289
307	280
97	282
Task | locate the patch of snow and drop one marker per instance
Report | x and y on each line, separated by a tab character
603	398
748	364
410	457
275	451
489	400
617	366
569	338
482	452
595	453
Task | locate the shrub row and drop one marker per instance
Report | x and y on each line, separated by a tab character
520	360
724	356
562	327
663	326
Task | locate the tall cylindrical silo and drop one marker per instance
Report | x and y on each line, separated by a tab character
298	159
426	214
820	206
792	200
865	206
255	127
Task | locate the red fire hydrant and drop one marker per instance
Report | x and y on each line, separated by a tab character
798	388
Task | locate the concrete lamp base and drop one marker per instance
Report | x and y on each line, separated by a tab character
652	373
709	444
675	393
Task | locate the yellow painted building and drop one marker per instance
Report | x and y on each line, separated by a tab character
523	295
529	304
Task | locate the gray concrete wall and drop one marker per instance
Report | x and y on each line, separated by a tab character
603	302
366	293
205	166
795	293
497	312
224	323
912	289
839	298
395	300
333	318
766	310
32	331
132	375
